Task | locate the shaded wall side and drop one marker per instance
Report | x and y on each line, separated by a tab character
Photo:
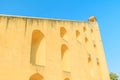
101	55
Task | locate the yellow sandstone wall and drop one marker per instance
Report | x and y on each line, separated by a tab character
48	49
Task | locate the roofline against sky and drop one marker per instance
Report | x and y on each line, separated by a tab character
30	17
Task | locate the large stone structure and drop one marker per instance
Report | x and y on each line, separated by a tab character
49	49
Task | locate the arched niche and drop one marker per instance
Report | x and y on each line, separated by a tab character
84	29
89	58
36	76
64	49
98	62
38	48
78	35
86	39
63	33
65	58
66	79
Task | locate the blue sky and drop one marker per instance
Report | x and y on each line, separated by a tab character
106	11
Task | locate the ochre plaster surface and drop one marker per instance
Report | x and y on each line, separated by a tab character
49	49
